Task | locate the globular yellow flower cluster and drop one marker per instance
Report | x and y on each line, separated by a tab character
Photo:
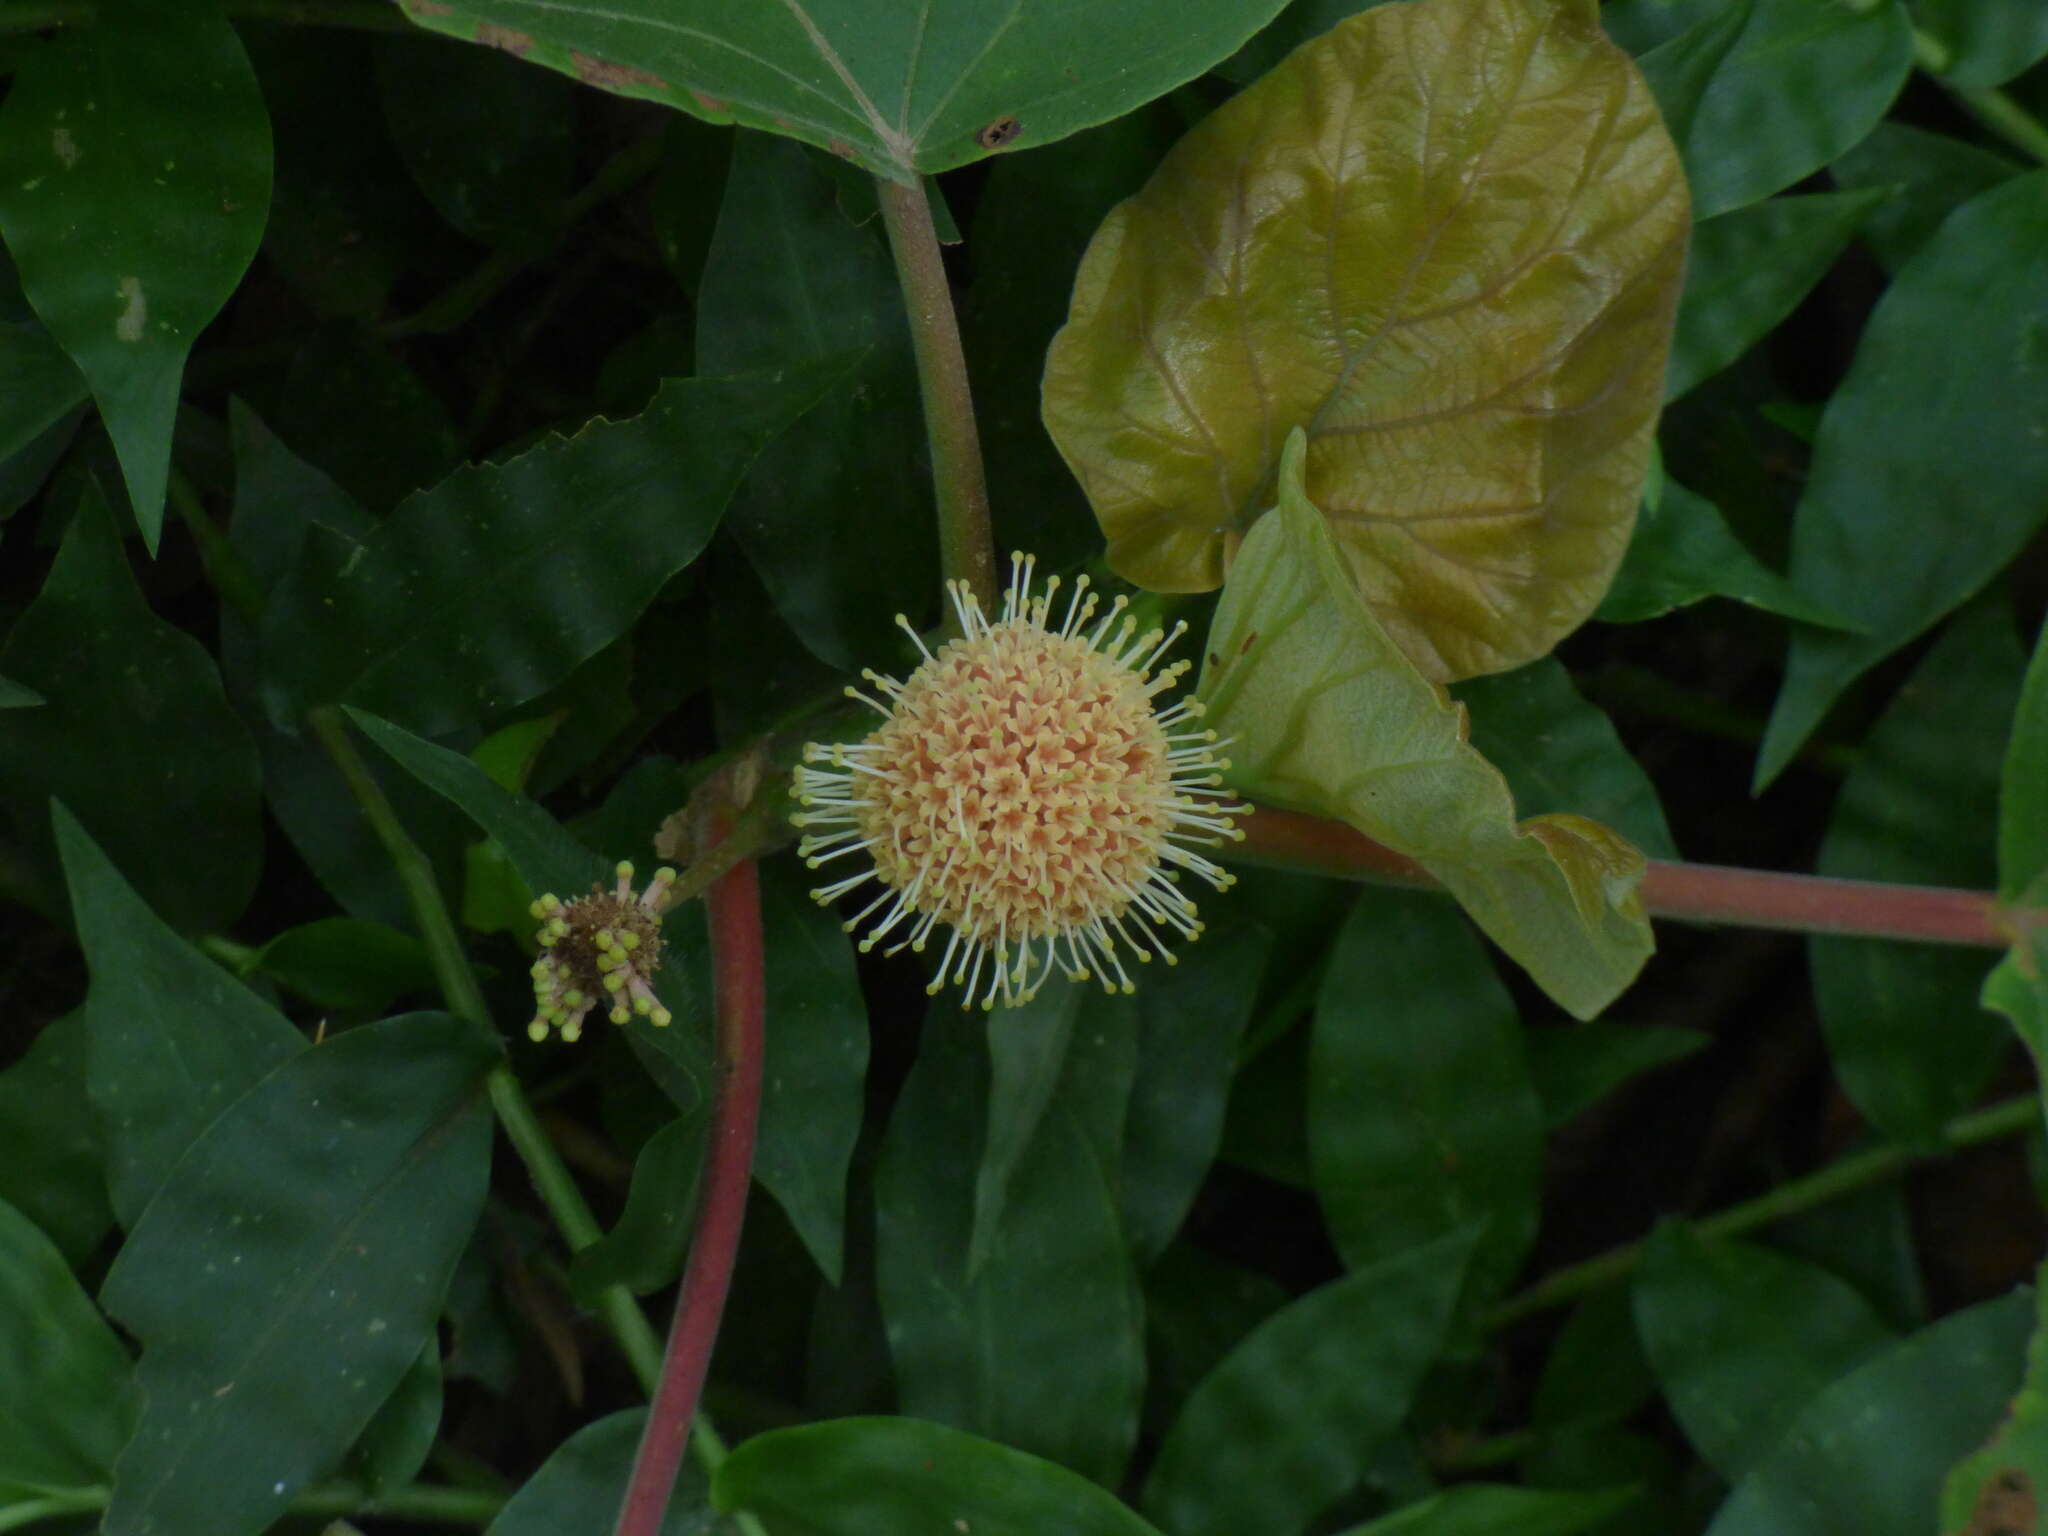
603	948
1023	790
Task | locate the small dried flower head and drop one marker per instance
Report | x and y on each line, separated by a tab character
601	950
1023	790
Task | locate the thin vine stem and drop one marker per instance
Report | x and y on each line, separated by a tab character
1697	893
739	992
1859	1170
557	1188
966	545
1996	110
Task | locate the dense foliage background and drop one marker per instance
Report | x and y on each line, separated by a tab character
574	443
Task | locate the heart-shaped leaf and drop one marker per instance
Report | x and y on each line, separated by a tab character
1329	716
1446	240
900	89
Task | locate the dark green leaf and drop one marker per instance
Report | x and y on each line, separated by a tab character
291	1269
1867	1239
1742	1339
1479	1510
52	1156
899	91
490	143
395	1443
1574	1068
815	1065
1042	1349
1286	1422
65	1404
352	406
1919	807
135	731
487	590
1749	269
1422	1120
1596	1372
838	519
1560	753
1189	1024
884	1477
644	1249
23	474
2023	787
1930	175
347	964
173	1039
1869	1453
1999	1488
14	696
1197	1310
1027	1049
579	1487
1986	42
1797	86
1896	528
134	178
1683	551
39	385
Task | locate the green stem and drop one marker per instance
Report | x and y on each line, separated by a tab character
361	15
1844	1176
1992	107
225	567
572	1215
966	545
456	304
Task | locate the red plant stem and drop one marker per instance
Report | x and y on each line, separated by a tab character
1697	893
739	989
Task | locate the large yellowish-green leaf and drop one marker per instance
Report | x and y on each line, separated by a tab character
1327	715
1445	239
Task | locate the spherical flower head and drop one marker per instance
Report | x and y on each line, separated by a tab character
1024	791
599	951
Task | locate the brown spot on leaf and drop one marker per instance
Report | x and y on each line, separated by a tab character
998	133
710	104
841	148
613	77
491	35
2005	1506
429	8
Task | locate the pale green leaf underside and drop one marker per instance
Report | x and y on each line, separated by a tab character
901	89
1325	713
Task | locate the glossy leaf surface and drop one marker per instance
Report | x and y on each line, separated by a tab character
490	588
1795	86
1444	240
180	811
1870	1452
1742	1338
1746	271
292	1267
1559	752
837	519
1896	528
134	179
1040	1347
900	90
1422	1120
1327	715
882	1477
1285	1423
52	1155
1684	551
65	1404
580	1487
173	1040
1920	807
